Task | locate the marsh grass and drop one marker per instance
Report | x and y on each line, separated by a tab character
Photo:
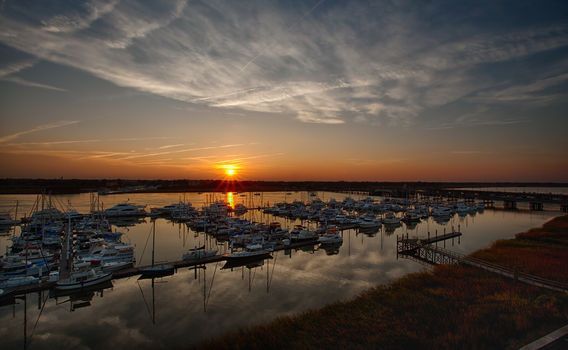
449	307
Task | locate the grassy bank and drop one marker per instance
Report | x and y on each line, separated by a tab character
449	307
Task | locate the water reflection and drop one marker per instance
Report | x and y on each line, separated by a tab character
208	300
79	299
230	200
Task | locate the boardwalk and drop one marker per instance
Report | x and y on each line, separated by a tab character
423	251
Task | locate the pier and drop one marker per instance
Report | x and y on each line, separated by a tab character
509	200
422	250
133	271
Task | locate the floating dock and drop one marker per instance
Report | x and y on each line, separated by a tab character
133	271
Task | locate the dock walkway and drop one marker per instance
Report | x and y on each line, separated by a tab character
424	251
136	270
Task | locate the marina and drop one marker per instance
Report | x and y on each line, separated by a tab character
362	255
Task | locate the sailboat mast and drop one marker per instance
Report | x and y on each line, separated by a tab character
68	252
153	304
153	240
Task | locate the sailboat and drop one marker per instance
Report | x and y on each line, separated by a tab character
154	270
81	278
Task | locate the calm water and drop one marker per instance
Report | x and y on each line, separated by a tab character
195	305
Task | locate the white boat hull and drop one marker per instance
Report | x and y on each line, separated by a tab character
250	255
65	285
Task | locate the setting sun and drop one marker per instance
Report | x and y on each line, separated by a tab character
230	170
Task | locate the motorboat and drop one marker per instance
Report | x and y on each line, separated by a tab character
6	220
252	252
300	234
412	216
442	212
390	219
18	281
83	278
111	266
369	223
172	209
125	209
198	254
330	238
160	270
111	252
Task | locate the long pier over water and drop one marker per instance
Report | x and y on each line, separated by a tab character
510	200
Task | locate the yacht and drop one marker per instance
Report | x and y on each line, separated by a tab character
6	220
111	252
330	238
300	234
252	252
171	209
391	220
18	281
412	216
442	212
160	270
111	266
125	209
198	254
463	209
83	278
369	223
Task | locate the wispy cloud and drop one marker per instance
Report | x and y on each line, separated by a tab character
8	73
318	66
29	83
70	142
171	146
81	19
529	92
185	150
38	128
468	152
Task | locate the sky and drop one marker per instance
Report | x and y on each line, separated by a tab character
285	90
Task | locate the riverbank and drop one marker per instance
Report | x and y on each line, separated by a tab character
447	307
401	189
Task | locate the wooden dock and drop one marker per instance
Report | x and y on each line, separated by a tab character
409	246
133	271
424	251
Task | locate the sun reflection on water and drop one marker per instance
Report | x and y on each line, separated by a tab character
231	200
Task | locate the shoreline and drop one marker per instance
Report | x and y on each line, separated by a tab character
74	186
450	306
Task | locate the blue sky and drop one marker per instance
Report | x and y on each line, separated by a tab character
391	89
